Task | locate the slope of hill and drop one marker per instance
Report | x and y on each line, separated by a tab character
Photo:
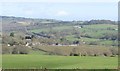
59	33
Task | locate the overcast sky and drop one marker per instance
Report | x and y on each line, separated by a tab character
61	9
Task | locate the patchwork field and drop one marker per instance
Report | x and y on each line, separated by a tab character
96	34
29	43
58	62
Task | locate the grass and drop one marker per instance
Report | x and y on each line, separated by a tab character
58	28
58	62
71	38
95	31
99	41
104	26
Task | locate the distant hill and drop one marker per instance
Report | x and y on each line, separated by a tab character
10	23
51	31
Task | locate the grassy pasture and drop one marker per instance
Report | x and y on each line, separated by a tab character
102	26
58	62
95	31
57	28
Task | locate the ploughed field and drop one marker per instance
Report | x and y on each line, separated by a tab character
34	61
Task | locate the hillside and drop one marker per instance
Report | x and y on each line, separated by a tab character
10	23
54	33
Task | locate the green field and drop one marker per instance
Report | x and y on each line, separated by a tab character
94	33
58	62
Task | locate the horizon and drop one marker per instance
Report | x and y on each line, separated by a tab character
54	19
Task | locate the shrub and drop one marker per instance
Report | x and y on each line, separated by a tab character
12	34
75	52
90	53
114	51
6	49
107	53
20	50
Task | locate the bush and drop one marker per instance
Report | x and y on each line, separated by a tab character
75	52
114	51
12	34
6	49
90	53
107	53
20	50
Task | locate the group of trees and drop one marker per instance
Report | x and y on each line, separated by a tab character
13	40
109	36
79	50
19	49
12	44
94	52
99	22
